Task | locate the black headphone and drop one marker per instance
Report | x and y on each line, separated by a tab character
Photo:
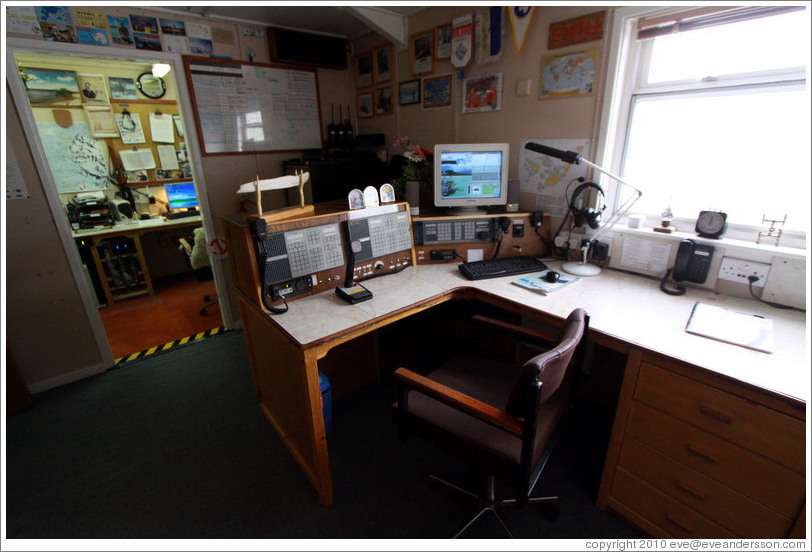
590	216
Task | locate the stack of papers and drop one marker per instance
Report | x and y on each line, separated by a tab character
536	282
740	328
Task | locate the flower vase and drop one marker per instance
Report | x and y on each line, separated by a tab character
413	197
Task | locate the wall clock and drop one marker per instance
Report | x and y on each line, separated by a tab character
150	85
711	224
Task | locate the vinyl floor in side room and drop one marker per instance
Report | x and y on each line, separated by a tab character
173	313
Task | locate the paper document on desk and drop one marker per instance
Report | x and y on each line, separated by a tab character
739	328
536	282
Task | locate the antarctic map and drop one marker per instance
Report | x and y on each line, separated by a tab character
75	157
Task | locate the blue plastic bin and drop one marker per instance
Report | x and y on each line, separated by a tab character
326	402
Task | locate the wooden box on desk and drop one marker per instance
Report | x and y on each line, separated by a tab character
531	242
243	259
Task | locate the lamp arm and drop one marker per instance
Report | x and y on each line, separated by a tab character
623	208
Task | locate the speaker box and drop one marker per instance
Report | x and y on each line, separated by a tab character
298	48
413	197
512	196
122	210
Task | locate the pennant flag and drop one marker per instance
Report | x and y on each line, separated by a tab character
520	17
462	40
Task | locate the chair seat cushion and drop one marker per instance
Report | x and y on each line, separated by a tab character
489	381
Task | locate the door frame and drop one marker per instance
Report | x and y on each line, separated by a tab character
61	222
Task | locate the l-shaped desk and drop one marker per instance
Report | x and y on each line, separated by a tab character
709	438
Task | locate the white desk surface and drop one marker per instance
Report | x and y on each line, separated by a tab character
127	226
623	306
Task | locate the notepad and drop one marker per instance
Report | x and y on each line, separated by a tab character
739	328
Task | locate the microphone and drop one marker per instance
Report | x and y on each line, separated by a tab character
571	157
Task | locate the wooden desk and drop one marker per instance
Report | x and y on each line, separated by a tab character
133	231
628	314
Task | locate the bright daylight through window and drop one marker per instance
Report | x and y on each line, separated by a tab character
719	119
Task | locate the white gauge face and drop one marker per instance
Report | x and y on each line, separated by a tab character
710	222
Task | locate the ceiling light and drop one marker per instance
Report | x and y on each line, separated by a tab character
160	69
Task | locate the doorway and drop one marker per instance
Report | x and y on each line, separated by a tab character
144	292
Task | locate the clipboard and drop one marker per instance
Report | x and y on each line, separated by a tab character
748	330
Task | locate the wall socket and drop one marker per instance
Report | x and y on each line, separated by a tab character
738	270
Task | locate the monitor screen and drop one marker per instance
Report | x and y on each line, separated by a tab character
181	195
470	176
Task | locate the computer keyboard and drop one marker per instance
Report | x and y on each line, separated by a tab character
181	214
506	266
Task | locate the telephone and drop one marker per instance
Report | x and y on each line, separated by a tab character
691	265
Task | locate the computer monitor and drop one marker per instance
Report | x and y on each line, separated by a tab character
181	195
470	176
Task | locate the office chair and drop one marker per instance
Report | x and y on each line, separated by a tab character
200	262
486	411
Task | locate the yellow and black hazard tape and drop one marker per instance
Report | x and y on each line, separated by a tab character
168	346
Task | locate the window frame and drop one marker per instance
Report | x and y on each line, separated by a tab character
625	80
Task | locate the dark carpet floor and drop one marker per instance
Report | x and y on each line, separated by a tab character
175	447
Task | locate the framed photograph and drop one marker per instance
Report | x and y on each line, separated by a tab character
409	92
382	64
101	121
366	104
443	41
93	88
151	86
437	91
363	70
122	88
421	48
483	93
568	75
51	87
383	101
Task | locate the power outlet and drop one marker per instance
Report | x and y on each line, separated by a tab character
738	270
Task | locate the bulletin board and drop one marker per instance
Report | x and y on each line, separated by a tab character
245	107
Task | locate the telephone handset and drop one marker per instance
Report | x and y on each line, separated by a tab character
691	265
259	231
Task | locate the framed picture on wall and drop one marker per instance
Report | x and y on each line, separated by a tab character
409	92
363	70
444	41
366	104
483	93
383	101
421	48
122	88
437	91
101	121
51	87
94	89
382	64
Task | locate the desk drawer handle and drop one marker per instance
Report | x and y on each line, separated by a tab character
677	523
690	490
701	454
715	414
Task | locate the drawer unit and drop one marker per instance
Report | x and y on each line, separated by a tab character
672	518
740	421
755	476
695	458
717	502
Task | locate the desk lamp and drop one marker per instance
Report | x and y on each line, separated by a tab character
583	268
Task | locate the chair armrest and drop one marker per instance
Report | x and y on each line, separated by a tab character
514	329
460	401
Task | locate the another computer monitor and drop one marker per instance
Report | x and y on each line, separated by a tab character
181	195
470	176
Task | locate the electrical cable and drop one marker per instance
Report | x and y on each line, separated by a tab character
752	280
678	289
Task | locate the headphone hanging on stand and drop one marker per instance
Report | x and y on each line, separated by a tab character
589	216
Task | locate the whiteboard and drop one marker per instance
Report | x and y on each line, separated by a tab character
253	107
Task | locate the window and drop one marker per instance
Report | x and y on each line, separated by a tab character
711	111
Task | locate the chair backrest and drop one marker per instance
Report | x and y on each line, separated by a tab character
549	367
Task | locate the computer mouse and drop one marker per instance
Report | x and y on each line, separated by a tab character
552	276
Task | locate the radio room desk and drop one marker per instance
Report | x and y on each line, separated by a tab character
708	439
118	250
